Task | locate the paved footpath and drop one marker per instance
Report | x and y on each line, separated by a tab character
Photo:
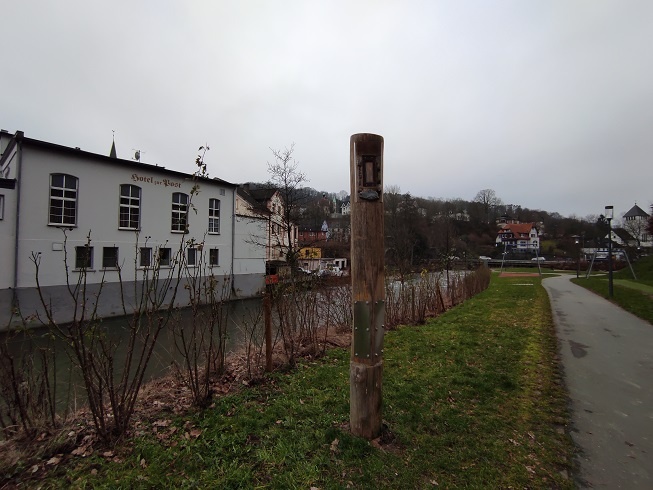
607	355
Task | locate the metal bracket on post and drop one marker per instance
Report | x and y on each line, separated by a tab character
379	327
368	329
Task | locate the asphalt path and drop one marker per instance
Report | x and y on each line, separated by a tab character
607	356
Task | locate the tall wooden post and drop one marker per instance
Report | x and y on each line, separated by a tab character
368	288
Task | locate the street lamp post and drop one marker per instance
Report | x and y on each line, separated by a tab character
577	242
609	214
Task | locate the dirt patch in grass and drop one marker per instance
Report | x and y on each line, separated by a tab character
519	274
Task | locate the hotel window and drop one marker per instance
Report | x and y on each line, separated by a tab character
164	257
130	207
145	257
214	216
2	206
180	212
84	257
63	200
191	257
214	256
110	257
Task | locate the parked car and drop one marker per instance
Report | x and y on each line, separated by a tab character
535	259
484	257
331	271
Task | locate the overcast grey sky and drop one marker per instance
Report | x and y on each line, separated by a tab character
549	103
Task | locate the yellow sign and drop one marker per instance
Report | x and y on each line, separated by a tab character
310	253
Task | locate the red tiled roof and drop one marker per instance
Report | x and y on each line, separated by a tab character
518	229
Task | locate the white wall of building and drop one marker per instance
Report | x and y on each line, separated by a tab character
250	244
7	235
97	217
98	213
249	253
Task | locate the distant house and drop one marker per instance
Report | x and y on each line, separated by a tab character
520	237
308	236
451	215
267	202
621	237
346	208
340	230
505	219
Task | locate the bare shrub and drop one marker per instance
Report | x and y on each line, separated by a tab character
28	384
337	309
417	297
253	335
112	381
413	300
201	337
297	307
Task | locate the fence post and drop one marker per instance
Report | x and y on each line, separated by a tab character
368	284
267	308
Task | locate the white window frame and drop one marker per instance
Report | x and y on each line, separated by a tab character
180	203
192	256
164	257
145	257
130	205
89	258
214	257
114	262
67	195
214	216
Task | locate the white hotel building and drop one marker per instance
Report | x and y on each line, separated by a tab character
52	198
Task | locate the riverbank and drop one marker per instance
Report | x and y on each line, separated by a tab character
472	398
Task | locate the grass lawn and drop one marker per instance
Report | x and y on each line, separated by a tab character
471	399
635	296
634	285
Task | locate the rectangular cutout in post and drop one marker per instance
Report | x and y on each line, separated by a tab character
369	169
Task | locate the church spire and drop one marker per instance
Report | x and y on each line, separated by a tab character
113	153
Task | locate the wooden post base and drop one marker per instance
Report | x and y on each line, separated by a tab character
365	399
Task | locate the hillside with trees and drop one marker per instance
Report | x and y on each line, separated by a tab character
420	231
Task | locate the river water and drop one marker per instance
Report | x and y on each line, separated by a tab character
242	319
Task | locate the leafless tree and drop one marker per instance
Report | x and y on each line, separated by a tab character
488	201
288	180
637	228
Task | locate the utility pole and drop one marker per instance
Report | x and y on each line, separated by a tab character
609	214
368	284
